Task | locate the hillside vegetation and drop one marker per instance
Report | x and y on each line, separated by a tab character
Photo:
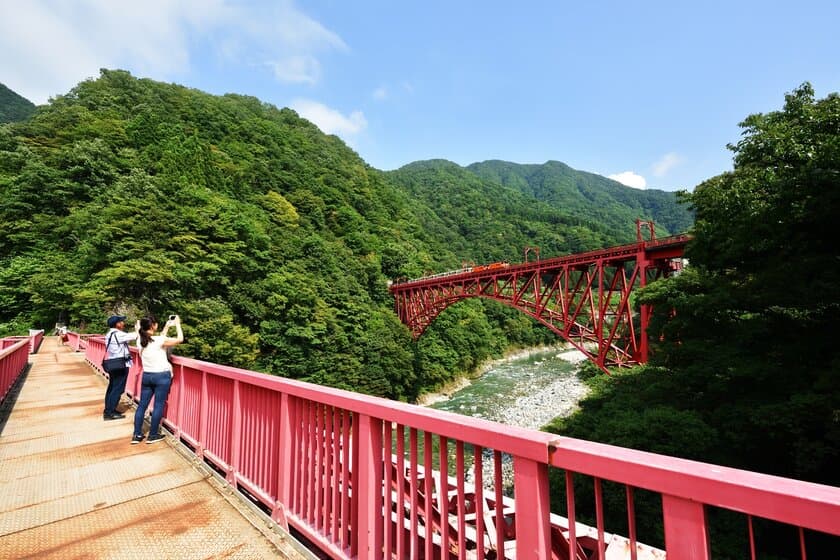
13	107
272	240
607	203
745	367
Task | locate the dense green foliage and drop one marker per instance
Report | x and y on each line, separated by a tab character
747	371
273	241
600	203
13	107
482	220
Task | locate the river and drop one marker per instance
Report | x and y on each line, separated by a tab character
526	390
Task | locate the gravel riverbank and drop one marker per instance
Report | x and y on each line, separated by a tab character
558	398
537	403
526	389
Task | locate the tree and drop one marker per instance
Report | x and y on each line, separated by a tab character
763	299
744	348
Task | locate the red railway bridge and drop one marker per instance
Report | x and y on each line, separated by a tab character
583	298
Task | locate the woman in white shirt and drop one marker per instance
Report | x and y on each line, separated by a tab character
157	373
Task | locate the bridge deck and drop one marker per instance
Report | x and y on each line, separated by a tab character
72	486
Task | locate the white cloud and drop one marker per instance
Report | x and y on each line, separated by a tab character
51	45
297	69
295	29
380	93
630	179
288	40
329	120
666	163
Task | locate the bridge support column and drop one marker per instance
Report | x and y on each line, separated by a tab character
369	514
284	473
644	310
533	529
686	531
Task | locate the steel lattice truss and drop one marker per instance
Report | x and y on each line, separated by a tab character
585	298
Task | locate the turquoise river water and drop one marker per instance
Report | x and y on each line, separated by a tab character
525	391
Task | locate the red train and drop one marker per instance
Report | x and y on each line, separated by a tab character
491	266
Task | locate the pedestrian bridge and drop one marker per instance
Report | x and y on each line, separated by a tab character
353	476
72	486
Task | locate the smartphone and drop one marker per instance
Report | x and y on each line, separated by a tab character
172	317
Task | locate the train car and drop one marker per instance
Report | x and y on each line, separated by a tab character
491	266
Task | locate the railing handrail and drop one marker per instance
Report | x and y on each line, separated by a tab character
18	342
526	443
14	357
209	412
807	504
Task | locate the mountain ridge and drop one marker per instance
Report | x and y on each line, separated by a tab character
562	186
13	106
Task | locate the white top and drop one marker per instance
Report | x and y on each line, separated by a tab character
117	343
154	355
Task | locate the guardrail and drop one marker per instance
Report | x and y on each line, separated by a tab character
78	341
14	357
35	337
360	477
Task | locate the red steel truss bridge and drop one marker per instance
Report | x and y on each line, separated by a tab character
583	298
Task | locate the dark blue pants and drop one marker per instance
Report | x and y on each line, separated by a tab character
116	387
155	384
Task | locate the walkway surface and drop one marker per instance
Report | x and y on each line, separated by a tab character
72	486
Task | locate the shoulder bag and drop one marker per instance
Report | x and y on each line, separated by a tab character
113	364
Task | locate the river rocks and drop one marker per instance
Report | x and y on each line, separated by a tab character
527	390
535	410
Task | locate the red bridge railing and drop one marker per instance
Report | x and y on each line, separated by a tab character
364	477
14	357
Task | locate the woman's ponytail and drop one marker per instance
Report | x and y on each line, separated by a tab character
146	324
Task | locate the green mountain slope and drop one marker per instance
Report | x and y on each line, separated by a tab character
273	241
483	221
13	107
591	197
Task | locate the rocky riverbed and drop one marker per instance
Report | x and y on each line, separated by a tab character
527	389
560	397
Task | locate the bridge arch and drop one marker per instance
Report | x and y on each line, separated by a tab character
585	299
565	334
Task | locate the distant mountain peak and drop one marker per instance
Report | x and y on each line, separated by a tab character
13	106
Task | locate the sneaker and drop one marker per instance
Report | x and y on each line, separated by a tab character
155	438
114	416
137	439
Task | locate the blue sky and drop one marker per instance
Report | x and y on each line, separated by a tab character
648	92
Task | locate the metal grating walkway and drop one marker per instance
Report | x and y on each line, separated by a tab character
72	486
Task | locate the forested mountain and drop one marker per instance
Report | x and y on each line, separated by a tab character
272	240
592	198
483	221
13	107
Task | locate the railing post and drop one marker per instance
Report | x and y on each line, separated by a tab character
533	529
235	436
369	496
181	387
203	412
287	443
686	531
